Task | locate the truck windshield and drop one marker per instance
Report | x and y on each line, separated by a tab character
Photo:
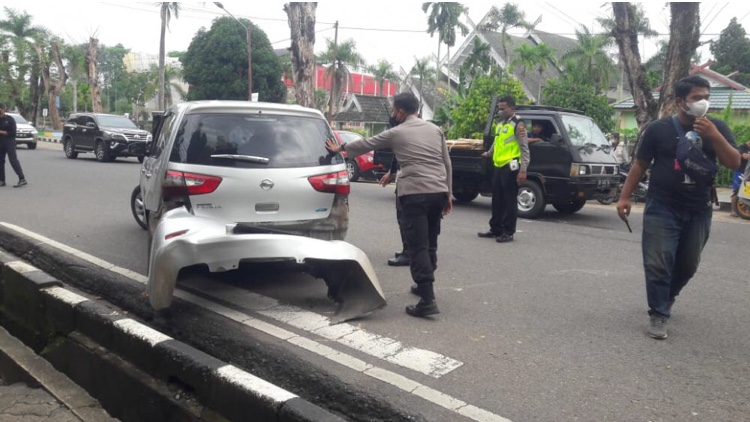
583	131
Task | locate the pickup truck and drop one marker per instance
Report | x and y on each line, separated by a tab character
570	164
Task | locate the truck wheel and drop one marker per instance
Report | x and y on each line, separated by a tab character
70	152
465	196
531	201
570	207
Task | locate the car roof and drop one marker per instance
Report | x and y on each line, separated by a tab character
225	106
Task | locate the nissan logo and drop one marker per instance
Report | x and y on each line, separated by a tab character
266	184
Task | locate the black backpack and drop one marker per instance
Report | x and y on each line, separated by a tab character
690	158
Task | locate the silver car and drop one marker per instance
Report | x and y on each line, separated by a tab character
25	132
227	181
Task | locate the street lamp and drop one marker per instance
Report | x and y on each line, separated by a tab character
249	52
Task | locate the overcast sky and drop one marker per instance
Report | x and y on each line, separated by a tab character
391	30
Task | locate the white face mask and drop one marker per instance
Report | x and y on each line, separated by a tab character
698	108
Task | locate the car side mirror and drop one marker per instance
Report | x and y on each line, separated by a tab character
556	138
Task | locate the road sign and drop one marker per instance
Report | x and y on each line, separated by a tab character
44	112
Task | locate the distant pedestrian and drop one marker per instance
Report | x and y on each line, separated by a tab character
8	147
677	217
511	157
744	150
424	189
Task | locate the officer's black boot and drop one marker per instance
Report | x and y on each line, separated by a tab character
427	305
401	259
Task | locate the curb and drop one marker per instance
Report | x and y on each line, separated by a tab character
54	140
34	301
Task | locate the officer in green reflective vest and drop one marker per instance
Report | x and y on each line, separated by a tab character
511	157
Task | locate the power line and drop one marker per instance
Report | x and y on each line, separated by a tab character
717	14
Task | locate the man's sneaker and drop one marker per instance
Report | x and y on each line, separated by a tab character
21	182
657	327
488	234
504	238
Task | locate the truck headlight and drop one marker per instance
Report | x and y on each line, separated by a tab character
579	170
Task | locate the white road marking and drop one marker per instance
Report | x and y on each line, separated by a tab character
143	332
66	296
22	267
343	333
255	385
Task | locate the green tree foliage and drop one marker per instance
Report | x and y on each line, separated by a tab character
576	95
478	62
508	17
382	72
338	60
215	64
443	19
591	55
469	116
732	52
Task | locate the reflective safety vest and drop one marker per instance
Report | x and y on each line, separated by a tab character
506	147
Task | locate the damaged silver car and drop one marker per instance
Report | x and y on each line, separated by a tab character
225	182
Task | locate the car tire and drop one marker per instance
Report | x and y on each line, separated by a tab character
465	196
352	169
31	145
570	207
101	152
138	208
69	149
531	201
743	209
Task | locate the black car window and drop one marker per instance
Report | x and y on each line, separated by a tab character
84	120
285	141
165	133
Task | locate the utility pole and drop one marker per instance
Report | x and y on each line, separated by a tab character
333	75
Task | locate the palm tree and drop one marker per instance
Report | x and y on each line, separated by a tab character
167	9
443	19
339	59
590	54
382	72
23	35
425	73
477	62
526	58
509	17
543	56
172	78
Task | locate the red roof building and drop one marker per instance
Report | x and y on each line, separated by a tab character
360	84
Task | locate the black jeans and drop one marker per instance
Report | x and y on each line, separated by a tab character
504	201
421	224
8	147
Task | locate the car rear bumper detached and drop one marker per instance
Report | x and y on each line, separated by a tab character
181	240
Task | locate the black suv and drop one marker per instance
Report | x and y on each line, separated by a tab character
108	136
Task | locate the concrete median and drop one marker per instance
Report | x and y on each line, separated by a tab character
130	368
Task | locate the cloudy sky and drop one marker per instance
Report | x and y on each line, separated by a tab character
391	30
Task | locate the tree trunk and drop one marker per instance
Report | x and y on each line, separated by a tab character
541	79
437	69
55	91
162	53
301	16
626	36
34	88
96	97
684	39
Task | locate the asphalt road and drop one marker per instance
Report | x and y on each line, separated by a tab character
548	328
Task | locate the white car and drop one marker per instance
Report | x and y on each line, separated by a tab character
25	132
227	181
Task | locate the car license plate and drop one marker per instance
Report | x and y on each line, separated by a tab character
603	183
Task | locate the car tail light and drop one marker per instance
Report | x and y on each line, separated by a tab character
179	185
331	183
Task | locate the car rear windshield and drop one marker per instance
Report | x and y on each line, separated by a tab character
228	140
116	122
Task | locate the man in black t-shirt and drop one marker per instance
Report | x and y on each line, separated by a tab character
8	147
677	217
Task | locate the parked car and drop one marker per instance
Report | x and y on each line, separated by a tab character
106	135
25	133
362	165
226	181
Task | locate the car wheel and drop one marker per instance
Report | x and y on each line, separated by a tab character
570	207
352	169
530	200
465	196
138	208
101	152
70	152
31	145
